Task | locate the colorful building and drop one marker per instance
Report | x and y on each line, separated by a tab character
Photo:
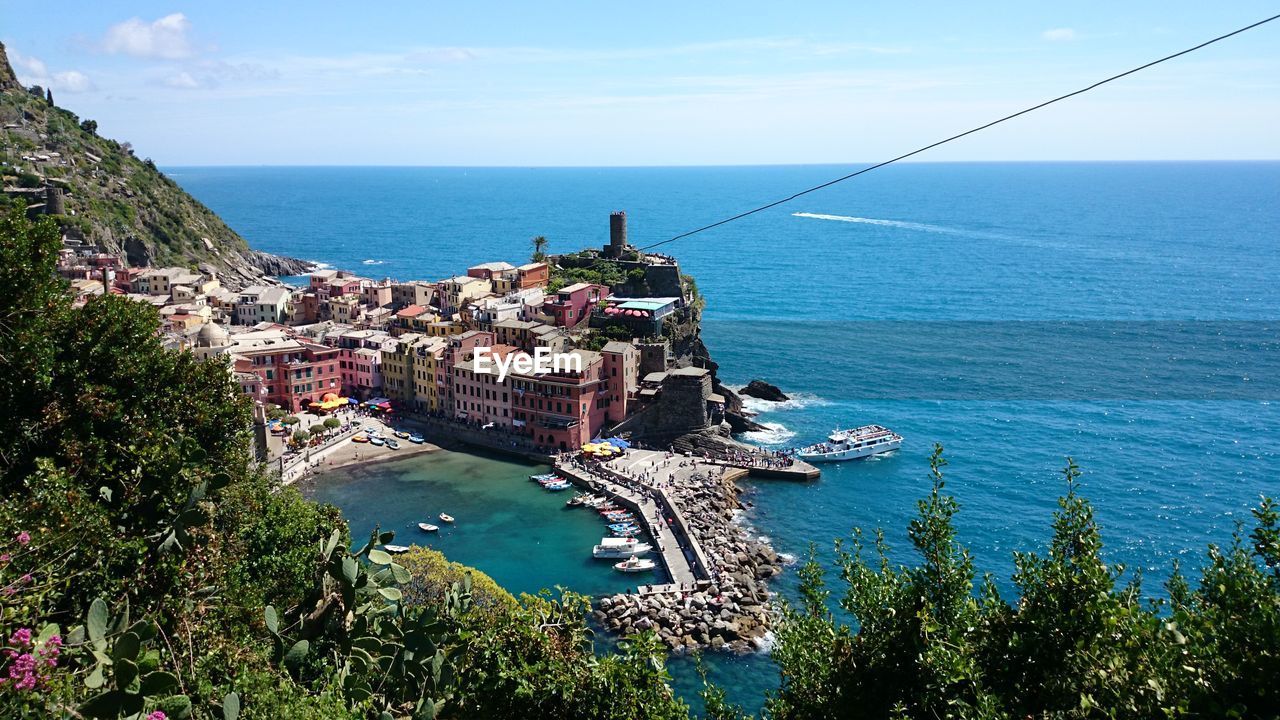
573	304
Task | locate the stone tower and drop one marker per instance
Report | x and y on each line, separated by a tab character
617	235
54	201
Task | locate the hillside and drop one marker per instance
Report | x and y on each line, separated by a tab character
110	197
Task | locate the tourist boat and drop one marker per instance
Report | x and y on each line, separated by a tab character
392	444
402	434
360	438
376	440
427	527
630	549
446	518
634	564
859	442
396	549
417	439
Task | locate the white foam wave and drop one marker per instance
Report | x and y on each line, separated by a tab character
321	265
795	401
901	224
787	558
773	434
374	262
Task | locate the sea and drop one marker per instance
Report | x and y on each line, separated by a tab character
1125	315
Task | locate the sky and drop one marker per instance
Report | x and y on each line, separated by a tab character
655	83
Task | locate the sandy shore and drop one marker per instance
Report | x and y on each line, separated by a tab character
347	452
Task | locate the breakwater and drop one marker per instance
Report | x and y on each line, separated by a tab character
718	597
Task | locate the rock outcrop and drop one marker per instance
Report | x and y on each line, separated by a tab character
762	390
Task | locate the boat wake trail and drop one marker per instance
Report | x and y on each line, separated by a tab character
374	262
902	225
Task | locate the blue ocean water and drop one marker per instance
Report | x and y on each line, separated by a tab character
794	295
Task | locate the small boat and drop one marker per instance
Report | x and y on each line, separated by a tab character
557	487
860	442
417	439
446	518
634	564
360	438
544	477
624	527
576	500
392	444
427	527
376	440
402	434
396	549
620	551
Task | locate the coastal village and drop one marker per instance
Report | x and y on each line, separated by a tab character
409	353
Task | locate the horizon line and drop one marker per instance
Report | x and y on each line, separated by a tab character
714	165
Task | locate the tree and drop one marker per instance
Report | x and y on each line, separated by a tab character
48	97
89	126
316	430
332	423
539	248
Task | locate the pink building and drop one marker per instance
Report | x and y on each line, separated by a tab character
361	370
573	304
561	410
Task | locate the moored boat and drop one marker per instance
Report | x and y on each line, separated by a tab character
396	549
860	442
427	527
446	518
620	551
359	438
416	439
376	440
402	434
634	564
391	443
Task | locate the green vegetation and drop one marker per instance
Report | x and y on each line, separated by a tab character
1078	643
605	273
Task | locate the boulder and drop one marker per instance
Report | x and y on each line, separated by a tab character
762	390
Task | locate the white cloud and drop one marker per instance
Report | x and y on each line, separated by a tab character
33	71
70	81
182	80
165	38
1059	34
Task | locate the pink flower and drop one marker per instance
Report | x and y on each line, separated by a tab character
4	558
157	715
20	637
24	538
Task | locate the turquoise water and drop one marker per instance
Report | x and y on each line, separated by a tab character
522	536
908	297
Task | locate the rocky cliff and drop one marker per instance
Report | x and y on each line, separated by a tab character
102	194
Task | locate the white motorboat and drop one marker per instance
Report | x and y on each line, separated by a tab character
852	444
396	549
427	527
634	564
446	518
620	551
617	542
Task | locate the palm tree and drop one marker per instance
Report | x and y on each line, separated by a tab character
539	245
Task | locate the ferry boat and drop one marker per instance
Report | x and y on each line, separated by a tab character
613	552
852	444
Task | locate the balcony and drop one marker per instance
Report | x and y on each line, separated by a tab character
557	422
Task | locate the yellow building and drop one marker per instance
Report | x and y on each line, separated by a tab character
429	377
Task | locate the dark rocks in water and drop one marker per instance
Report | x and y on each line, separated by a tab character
739	423
762	390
